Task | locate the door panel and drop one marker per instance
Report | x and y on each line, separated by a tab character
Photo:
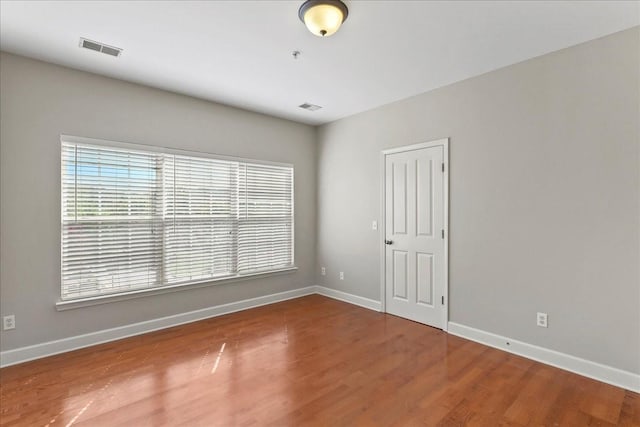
400	274
399	198
414	212
424	194
424	272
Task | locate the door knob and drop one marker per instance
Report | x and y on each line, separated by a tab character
388	242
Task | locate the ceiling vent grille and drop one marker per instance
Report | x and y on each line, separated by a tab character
100	47
310	107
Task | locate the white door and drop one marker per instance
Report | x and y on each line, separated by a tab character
415	235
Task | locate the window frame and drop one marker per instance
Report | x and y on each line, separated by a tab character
195	284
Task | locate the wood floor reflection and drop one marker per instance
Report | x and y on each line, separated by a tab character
308	361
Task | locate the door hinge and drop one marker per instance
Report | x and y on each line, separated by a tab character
443	167
443	233
442	300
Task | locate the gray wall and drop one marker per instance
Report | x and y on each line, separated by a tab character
39	102
544	203
545	189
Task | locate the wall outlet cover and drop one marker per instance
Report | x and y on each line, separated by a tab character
9	322
541	320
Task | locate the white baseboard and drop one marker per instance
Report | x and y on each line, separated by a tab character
25	354
350	298
596	371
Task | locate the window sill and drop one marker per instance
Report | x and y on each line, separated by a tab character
105	299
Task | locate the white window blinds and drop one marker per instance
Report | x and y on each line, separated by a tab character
265	217
135	220
110	220
200	208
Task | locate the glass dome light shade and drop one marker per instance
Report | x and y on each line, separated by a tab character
323	18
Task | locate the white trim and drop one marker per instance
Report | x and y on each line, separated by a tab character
418	146
162	287
72	139
444	142
445	181
105	299
25	354
382	234
596	371
586	368
350	298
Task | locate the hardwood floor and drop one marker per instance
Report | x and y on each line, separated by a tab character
308	361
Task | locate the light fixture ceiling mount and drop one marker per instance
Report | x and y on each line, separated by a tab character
323	17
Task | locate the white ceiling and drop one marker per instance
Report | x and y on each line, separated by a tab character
239	52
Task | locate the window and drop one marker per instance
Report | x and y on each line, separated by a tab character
134	219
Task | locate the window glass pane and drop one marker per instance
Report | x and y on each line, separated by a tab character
110	221
200	218
265	229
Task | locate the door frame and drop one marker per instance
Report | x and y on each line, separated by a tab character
444	142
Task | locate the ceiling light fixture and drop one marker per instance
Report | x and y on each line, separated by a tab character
323	17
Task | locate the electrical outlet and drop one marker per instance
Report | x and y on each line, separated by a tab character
323	271
374	225
9	322
541	320
342	275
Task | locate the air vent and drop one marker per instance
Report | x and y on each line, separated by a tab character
310	107
100	47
